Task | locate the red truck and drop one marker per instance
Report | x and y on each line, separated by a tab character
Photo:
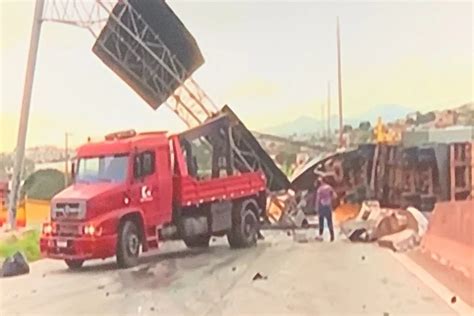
132	191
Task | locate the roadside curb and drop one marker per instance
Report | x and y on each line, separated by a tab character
460	307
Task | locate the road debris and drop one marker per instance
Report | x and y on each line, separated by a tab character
15	265
402	241
356	230
259	276
396	229
421	220
300	236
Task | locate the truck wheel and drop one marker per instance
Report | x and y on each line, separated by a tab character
197	241
244	229
128	245
74	264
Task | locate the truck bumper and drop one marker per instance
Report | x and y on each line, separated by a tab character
78	248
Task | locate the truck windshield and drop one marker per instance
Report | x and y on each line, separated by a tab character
102	169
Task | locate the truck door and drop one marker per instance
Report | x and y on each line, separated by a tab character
145	185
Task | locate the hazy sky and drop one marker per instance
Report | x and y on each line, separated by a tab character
269	60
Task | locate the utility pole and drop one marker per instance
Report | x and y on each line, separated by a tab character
329	109
25	111
339	80
66	158
323	130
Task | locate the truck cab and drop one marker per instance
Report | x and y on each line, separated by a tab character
131	191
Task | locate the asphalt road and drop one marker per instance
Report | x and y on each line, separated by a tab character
313	278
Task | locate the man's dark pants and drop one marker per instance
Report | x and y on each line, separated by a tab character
325	213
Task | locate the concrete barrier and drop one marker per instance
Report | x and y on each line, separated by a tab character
450	235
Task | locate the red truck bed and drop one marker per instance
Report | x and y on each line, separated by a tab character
189	191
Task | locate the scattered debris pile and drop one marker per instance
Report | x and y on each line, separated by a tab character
284	209
397	229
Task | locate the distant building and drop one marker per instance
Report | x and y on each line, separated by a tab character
445	119
42	154
453	134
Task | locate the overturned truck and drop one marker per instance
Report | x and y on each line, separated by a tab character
397	176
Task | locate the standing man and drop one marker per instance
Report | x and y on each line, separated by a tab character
323	204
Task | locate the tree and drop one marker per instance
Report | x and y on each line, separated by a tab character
43	184
6	166
410	121
347	128
364	126
425	118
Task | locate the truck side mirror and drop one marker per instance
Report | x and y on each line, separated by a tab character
73	171
137	170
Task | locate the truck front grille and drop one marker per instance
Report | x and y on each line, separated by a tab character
68	210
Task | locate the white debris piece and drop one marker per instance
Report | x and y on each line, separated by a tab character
401	241
421	219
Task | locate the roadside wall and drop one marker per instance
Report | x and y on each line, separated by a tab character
450	237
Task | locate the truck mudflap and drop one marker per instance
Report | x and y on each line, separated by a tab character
82	248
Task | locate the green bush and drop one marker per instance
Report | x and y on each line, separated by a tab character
27	243
43	184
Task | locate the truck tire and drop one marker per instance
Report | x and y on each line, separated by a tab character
128	245
201	241
244	231
74	264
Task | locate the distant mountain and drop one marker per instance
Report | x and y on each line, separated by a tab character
388	112
302	125
308	124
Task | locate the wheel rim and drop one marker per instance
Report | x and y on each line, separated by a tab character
249	224
133	243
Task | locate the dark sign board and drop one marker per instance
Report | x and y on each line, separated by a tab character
148	47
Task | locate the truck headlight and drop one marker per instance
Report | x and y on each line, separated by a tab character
91	230
47	229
